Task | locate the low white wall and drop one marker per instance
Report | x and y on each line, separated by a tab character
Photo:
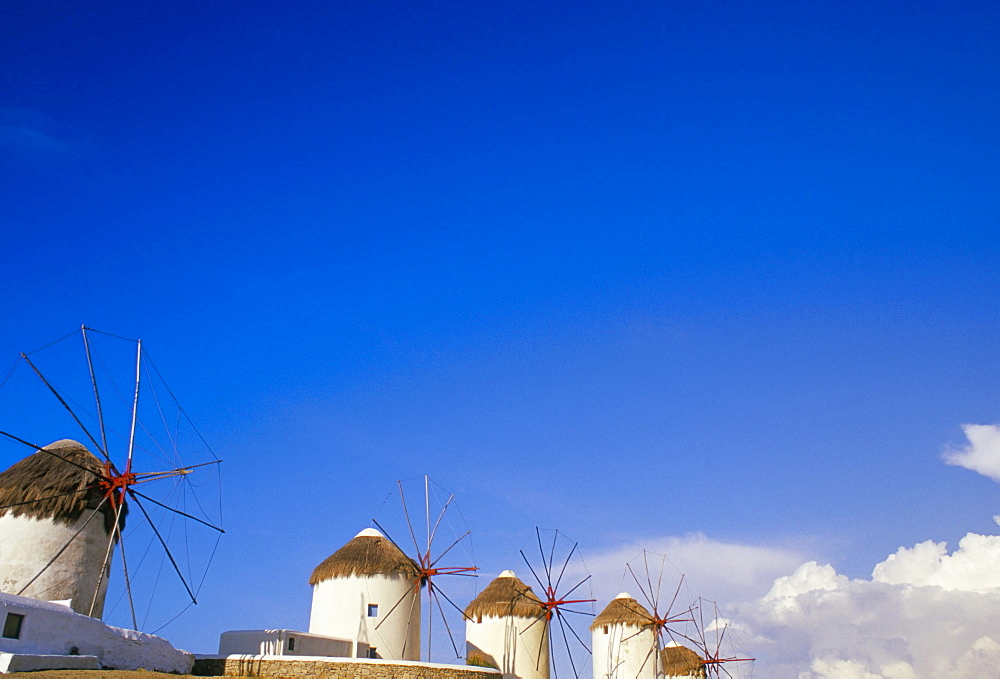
12	662
287	642
54	629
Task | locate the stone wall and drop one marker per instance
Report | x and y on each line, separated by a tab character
295	667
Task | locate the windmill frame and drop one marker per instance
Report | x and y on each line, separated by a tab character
115	486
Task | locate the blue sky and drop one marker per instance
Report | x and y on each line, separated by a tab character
634	270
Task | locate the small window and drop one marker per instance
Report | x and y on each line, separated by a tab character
372	652
291	643
372	610
12	626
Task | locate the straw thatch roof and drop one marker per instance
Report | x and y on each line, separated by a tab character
506	596
369	553
42	485
680	661
623	610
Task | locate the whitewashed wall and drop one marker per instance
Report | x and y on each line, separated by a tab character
54	629
624	652
29	544
287	642
519	646
340	609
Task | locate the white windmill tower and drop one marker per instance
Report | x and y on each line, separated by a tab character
58	527
369	590
506	627
624	641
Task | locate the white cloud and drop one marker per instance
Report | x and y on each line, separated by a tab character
924	614
849	669
720	571
982	454
974	567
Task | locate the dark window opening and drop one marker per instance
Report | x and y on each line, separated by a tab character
291	643
372	610
12	626
372	652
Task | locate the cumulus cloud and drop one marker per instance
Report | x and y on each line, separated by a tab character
982	454
974	567
925	613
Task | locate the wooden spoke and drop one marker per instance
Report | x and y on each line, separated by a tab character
114	482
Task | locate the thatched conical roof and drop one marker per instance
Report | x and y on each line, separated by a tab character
681	661
44	484
369	553
505	597
623	610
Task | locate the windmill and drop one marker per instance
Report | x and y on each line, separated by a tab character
557	565
711	638
370	589
430	524
628	636
663	621
681	662
151	470
505	628
624	641
365	591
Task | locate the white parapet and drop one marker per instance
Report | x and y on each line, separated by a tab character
288	642
32	627
20	662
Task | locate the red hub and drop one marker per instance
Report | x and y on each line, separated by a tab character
115	485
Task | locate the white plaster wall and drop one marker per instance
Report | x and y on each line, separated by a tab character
29	544
520	646
126	649
624	652
275	642
340	609
53	629
12	662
